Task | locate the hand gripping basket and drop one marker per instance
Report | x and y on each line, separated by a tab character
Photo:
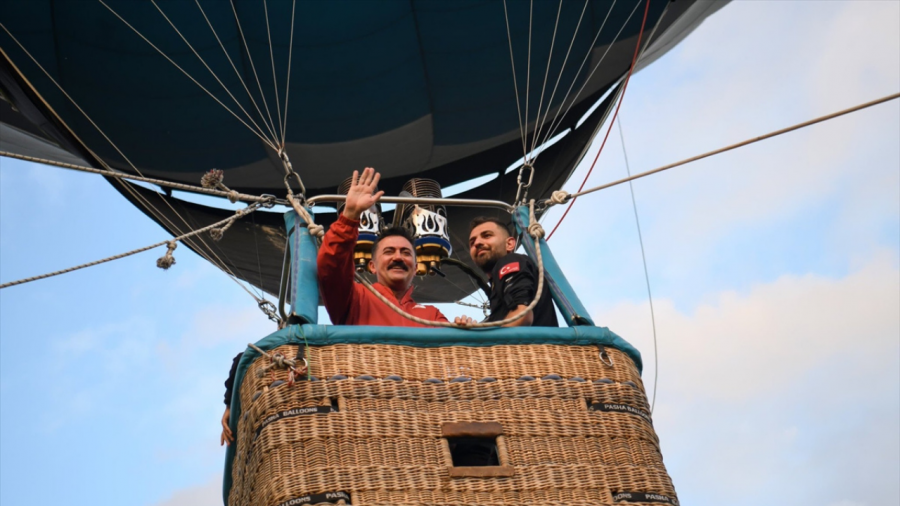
403	417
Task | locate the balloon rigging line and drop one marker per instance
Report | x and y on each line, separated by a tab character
230	195
528	76
152	208
287	88
564	197
236	72
534	136
557	119
250	118
637	50
637	222
512	61
252	65
274	78
169	242
135	30
562	69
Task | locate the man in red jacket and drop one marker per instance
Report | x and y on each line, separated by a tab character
393	263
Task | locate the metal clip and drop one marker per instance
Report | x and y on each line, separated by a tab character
605	358
522	192
269	201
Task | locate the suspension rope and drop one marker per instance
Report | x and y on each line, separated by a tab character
127	186
512	60
287	88
535	231
274	78
561	197
563	68
258	129
236	72
637	222
534	137
164	262
231	195
528	68
135	30
637	50
252	66
557	119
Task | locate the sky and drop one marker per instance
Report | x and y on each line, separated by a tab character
775	272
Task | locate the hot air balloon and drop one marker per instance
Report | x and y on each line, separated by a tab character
488	100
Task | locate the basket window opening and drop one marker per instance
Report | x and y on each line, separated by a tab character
474	451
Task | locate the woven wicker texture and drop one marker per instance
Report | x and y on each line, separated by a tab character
376	435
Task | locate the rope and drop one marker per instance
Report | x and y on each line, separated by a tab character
512	60
562	196
164	262
274	78
229	194
637	222
637	50
287	87
278	360
262	95
535	231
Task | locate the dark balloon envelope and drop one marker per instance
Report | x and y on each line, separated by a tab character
413	88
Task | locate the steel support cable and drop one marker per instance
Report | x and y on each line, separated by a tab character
274	78
563	68
637	50
534	136
252	66
528	74
135	30
230	195
557	119
162	217
512	60
637	222
563	197
287	88
169	242
236	72
250	118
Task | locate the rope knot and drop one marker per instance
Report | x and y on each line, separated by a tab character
536	230
212	179
217	234
167	260
316	230
559	197
233	196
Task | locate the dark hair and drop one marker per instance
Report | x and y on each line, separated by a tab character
481	220
392	231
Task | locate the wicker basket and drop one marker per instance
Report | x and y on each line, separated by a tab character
383	435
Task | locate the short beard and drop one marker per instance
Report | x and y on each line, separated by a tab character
487	264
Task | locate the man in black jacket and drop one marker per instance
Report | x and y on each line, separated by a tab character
513	277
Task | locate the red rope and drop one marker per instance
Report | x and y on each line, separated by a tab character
637	50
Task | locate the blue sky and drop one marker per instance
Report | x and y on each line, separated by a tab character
775	270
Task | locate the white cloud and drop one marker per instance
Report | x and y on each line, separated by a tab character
791	387
207	494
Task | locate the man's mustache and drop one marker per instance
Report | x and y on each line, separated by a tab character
398	264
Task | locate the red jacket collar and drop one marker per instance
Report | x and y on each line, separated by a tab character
406	299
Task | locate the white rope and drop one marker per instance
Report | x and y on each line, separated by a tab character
561	197
258	129
127	186
637	222
274	78
562	69
135	30
236	72
287	88
528	70
512	60
164	262
252	66
229	194
534	137
535	231
554	125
